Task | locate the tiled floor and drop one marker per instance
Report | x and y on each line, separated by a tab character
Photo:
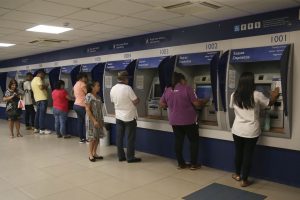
47	168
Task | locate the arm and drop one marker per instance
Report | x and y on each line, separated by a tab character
162	102
274	96
135	100
8	98
200	102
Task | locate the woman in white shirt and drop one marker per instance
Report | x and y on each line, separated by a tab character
247	102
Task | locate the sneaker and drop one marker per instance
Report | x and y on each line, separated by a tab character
134	160
82	141
59	136
195	167
67	136
28	127
36	130
45	132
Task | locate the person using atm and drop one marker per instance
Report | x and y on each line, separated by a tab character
246	129
181	100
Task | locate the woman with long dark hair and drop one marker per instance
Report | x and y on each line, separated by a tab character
12	97
247	102
181	101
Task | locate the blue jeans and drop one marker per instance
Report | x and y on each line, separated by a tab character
80	111
60	121
41	109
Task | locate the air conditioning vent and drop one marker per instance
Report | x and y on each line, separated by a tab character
47	42
210	5
179	5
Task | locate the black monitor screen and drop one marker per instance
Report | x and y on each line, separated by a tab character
264	88
157	91
204	91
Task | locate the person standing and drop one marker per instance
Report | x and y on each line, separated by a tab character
12	97
60	108
247	102
181	100
125	101
94	119
40	93
28	100
80	92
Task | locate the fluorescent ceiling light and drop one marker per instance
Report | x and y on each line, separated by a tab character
49	29
6	44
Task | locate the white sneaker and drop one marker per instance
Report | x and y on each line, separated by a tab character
36	130
45	132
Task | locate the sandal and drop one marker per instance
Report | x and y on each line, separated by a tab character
98	157
19	135
92	159
246	183
236	177
12	136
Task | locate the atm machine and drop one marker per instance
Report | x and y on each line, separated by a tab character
151	76
110	79
95	73
51	78
271	66
21	78
69	75
3	76
200	70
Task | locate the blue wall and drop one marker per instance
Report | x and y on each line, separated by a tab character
274	164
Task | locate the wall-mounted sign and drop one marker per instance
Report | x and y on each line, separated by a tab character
93	49
258	54
147	63
88	67
193	59
117	65
67	69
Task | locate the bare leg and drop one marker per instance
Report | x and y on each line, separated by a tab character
91	148
11	128
17	124
96	143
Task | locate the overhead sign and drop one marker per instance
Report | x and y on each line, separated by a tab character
67	69
117	65
88	67
193	59
11	74
258	54
148	63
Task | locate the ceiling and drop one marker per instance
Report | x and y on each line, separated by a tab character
102	20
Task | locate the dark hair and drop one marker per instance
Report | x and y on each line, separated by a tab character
243	95
41	71
90	86
177	78
82	75
29	74
59	84
11	82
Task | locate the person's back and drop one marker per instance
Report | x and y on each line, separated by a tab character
246	123
122	96
27	93
60	100
38	93
79	93
181	109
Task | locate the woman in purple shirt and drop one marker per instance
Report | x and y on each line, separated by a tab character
181	100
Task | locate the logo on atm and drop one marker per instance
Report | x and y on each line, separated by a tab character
236	28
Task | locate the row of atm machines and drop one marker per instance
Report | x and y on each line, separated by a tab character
213	75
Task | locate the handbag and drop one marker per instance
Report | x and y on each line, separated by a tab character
21	104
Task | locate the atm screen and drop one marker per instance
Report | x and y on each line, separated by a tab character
264	88
204	91
157	91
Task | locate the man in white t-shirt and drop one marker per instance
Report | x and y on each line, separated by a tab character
125	101
28	98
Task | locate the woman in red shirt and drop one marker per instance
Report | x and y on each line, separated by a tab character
60	108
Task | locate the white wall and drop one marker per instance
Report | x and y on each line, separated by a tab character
255	41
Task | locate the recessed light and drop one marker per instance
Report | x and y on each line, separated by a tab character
6	44
49	29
